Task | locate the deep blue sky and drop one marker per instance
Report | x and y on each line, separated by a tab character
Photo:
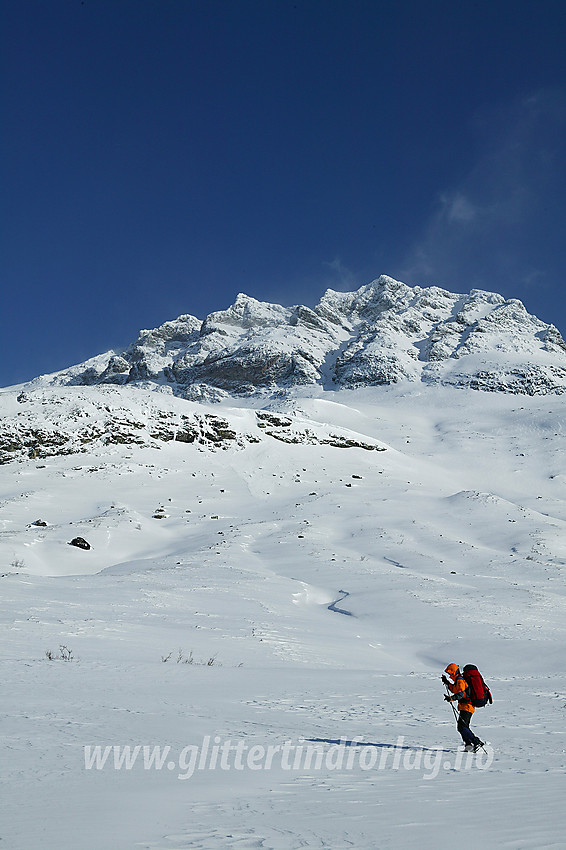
160	156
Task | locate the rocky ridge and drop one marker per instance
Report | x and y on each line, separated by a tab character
383	333
51	422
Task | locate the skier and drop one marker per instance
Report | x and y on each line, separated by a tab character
459	693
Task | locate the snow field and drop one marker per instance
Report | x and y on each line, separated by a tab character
449	546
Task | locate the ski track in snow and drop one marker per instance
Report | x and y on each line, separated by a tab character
333	605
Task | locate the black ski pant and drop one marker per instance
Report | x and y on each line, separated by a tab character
468	736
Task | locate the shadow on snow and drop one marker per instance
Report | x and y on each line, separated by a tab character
355	743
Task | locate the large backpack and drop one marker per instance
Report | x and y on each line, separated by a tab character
479	692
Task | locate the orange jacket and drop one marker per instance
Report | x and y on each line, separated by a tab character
459	688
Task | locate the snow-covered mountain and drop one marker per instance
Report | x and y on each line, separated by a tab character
383	333
288	568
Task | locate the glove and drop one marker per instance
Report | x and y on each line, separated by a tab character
447	698
444	680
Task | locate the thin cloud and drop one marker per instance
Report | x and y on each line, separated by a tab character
341	276
456	207
479	230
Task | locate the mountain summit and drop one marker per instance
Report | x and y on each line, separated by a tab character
383	333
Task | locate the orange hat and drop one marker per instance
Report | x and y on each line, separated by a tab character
452	670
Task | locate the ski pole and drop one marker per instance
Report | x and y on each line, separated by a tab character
451	705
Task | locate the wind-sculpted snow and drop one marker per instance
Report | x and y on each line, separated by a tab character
383	333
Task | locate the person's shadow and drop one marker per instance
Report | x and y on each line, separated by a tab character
345	743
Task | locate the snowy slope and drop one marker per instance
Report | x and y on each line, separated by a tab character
433	517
